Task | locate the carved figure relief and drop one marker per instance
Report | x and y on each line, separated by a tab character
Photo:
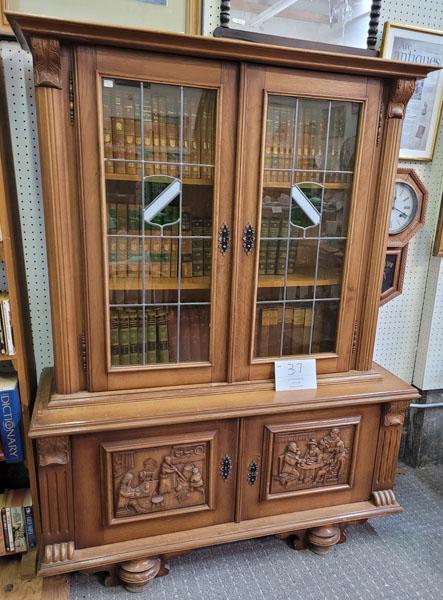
313	458
163	478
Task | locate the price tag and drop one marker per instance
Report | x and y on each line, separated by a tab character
295	375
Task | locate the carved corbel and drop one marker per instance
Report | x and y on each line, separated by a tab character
53	451
394	413
47	64
401	92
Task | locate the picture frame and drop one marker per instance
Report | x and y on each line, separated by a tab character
423	113
182	16
347	26
5	28
393	274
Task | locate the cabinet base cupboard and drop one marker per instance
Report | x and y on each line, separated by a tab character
211	206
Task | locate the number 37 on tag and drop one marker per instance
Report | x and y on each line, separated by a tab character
295	375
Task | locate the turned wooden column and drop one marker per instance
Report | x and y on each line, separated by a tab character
137	574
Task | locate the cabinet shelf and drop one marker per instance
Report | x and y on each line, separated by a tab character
204	283
282	185
137	178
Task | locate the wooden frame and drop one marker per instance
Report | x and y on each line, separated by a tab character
191	25
226	31
395	287
5	27
410	177
306	427
415	113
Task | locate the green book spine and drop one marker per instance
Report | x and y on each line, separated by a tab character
140	335
138	133
263	246
195	137
151	337
129	128
272	251
123	337
133	294
166	257
107	130
172	132
162	336
162	116
197	247
115	344
187	245
174	258
207	247
133	337
148	133
118	133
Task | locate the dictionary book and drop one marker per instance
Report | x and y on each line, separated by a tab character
10	419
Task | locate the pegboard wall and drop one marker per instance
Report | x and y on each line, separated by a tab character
409	335
409	321
19	80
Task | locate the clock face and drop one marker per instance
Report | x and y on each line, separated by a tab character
404	207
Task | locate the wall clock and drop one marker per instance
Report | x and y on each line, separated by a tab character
408	210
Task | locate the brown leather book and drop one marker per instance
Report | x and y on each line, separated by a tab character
118	133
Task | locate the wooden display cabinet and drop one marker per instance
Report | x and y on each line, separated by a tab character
211	205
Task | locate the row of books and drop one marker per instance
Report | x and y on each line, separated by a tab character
310	143
161	254
272	253
6	337
297	327
17	530
163	141
11	440
149	336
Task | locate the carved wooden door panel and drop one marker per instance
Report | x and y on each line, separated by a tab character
147	482
301	461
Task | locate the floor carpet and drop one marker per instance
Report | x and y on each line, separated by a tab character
398	557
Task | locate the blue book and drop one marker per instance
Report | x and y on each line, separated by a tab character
10	419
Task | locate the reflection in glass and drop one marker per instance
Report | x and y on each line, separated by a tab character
309	159
158	146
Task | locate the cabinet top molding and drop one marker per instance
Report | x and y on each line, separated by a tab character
28	26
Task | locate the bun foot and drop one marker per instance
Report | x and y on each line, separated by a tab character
322	539
136	574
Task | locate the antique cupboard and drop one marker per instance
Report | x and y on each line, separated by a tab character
211	205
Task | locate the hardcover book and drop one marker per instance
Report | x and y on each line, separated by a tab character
10	419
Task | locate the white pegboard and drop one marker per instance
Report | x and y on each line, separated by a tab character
408	323
211	16
17	69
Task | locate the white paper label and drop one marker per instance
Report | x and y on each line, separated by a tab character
108	83
295	375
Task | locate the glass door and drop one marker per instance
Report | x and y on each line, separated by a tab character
307	193
159	186
157	312
307	186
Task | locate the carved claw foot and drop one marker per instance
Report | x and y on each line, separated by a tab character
322	539
136	574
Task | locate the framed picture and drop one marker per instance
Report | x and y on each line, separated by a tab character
347	25
5	28
420	127
183	16
393	274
